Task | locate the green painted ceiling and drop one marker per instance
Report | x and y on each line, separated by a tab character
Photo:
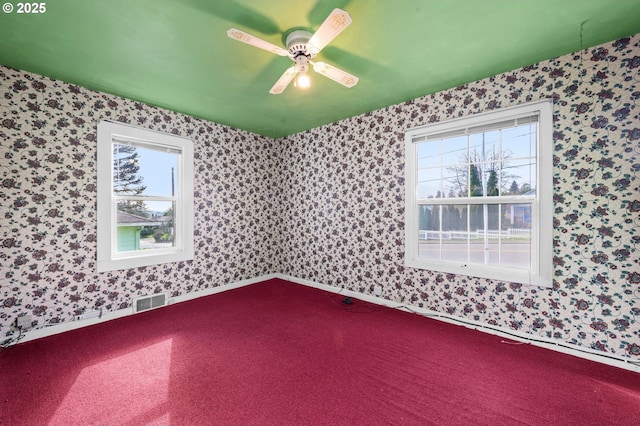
176	54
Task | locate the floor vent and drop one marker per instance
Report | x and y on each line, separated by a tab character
149	302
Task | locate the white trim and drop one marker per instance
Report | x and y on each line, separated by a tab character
220	289
543	342
507	113
541	270
108	258
108	316
554	345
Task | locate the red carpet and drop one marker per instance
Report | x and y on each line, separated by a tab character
281	353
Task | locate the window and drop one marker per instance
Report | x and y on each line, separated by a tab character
145	197
479	195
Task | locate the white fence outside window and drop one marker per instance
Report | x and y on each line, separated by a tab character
478	233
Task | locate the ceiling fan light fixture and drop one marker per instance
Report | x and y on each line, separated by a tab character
302	80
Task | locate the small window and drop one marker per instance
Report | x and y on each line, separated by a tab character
145	197
479	195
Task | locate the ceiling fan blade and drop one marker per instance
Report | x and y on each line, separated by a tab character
236	34
335	74
321	9
283	81
337	21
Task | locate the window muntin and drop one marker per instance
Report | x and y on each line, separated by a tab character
145	197
476	192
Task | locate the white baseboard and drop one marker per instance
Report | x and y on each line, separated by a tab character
107	316
555	345
547	343
221	288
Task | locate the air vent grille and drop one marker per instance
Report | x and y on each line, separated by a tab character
149	302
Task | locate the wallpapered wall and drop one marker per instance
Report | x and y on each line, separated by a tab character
48	203
344	203
328	204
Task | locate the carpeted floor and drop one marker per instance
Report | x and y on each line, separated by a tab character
281	353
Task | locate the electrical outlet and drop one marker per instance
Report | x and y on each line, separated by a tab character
23	322
377	290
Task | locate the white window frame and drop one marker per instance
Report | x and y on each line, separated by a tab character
108	257
541	270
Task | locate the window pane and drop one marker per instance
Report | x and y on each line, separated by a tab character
520	177
516	235
429	183
455	233
428	154
454	181
494	234
144	225
443	232
454	151
518	216
520	141
139	170
429	232
476	233
484	146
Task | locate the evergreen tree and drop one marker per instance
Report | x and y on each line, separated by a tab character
126	178
514	188
492	184
465	179
475	184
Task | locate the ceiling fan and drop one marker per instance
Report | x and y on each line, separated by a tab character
302	47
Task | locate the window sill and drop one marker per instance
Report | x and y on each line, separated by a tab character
501	273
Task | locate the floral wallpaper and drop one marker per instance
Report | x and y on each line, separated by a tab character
48	203
327	204
343	205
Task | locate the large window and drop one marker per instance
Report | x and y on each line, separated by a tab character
145	197
479	195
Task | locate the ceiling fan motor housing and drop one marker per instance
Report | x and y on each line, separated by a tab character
296	42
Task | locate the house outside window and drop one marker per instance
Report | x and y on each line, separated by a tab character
145	197
479	195
139	232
